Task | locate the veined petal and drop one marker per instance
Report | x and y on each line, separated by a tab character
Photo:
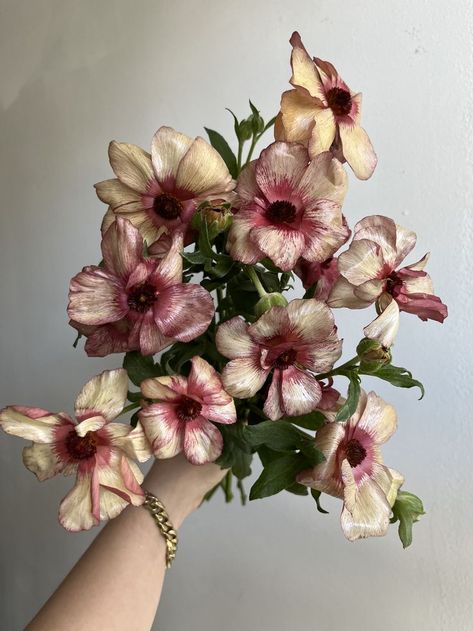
76	510
379	418
358	150
43	460
389	480
202	171
273	406
122	248
310	320
19	421
362	262
106	394
205	383
96	297
233	340
169	270
342	295
323	132
282	245
366	511
163	429
164	388
220	413
132	165
167	150
131	440
300	391
280	168
184	311
405	242
272	323
118	196
202	442
385	327
304	70
90	424
243	377
239	243
297	117
152	339
118	478
324	230
321	355
246	188
380	230
324	178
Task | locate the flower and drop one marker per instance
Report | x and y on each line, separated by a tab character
160	192
353	469
323	113
293	343
289	207
100	452
368	272
136	303
384	328
322	275
183	417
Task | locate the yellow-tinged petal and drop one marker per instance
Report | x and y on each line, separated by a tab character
358	150
323	133
389	480
342	295
118	196
385	327
324	178
104	394
379	418
362	262
40	430
75	510
91	424
43	461
297	117
132	165
202	171
167	150
304	70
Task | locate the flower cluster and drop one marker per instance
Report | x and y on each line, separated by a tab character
198	249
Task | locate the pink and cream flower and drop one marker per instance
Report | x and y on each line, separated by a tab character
323	113
101	453
159	193
353	469
184	413
289	207
368	272
291	344
134	302
322	275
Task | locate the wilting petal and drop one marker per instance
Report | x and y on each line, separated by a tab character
132	165
379	419
122	248
163	429
205	383
366	511
96	296
164	388
202	171
131	440
405	242
323	133
233	340
43	460
304	70
425	306
300	391
362	262
184	311
90	424
324	178
297	117
280	168
116	476
167	150
107	338
358	150
380	230
24	422
104	394
389	480
76	509
203	442
118	196
243	377
385	327
342	295
270	241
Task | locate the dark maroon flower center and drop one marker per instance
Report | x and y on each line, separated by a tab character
188	409
141	297
167	206
81	447
393	284
281	212
339	101
355	452
286	359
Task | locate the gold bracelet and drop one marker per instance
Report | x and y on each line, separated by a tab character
161	517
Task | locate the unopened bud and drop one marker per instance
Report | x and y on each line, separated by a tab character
372	354
270	300
217	215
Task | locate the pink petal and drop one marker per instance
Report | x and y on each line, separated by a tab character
239	243
280	168
358	150
205	383
164	388
163	429
273	406
169	270
16	420
104	394
184	311
272	324
270	240
119	482
232	339
203	442
243	377
122	248
425	306
108	338
247	188
152	339
300	391
96	296
324	229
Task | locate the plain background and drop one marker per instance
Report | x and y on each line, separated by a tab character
75	75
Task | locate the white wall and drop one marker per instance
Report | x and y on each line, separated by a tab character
75	75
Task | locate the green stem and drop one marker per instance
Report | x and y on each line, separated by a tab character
220	299
351	363
227	487
252	148
256	281
243	496
240	154
128	408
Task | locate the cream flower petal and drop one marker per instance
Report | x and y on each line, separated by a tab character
184	311
164	388
233	340
273	406
366	511
405	242
107	221
300	391
324	178
221	413
385	327
246	188
371	290
240	244
95	297
324	231
43	460
280	168
132	165
18	420
304	70
243	377
358	150
389	480
310	320
380	230
323	133
76	509
163	429
420	265
321	356
169	270
167	150
131	440
118	196
272	323
362	262
269	239
202	171
379	419
342	295
202	442
122	248
297	117
104	394
116	476
90	424
325	474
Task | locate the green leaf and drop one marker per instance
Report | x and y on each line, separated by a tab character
236	454
134	396
270	123
140	367
400	377
350	405
283	436
310	292
219	143
298	489
174	359
407	509
134	419
313	420
316	495
278	474
196	258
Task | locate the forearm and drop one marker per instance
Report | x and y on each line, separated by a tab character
117	583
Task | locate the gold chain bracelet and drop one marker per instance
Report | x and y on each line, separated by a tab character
161	517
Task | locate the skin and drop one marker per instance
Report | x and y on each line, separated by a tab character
117	583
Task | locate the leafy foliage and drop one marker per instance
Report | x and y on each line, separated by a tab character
407	509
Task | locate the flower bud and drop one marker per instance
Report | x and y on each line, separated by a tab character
265	303
372	354
217	215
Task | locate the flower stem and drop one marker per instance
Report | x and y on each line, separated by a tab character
240	154
256	281
227	486
128	408
351	363
252	148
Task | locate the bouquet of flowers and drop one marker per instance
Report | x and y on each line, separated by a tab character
199	246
